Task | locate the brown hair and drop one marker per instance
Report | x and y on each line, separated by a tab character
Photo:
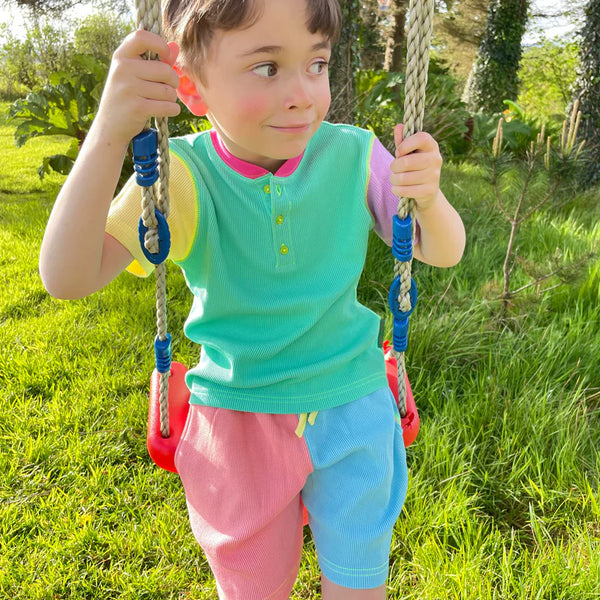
191	23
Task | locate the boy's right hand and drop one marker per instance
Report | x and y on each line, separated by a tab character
137	89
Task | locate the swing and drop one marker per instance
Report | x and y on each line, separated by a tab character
169	395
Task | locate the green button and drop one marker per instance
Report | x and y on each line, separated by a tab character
278	188
279	220
267	189
284	249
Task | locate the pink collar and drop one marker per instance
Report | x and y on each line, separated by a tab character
247	169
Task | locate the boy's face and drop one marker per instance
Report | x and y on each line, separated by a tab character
267	86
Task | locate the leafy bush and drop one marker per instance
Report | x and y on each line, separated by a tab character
29	63
547	74
520	129
380	98
67	107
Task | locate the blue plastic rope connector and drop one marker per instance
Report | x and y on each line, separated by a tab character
164	239
162	354
402	245
400	332
145	157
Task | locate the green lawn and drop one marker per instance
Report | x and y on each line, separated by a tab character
503	500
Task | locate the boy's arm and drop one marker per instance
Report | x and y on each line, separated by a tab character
416	174
77	257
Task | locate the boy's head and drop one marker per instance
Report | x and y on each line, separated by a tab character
191	23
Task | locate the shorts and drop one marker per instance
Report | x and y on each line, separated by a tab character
247	475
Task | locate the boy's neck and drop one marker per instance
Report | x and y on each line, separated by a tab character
281	168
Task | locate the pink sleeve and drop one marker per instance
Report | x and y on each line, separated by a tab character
382	203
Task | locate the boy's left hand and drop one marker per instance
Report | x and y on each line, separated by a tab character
416	168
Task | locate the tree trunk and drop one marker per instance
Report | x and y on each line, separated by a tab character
494	74
345	60
588	90
395	49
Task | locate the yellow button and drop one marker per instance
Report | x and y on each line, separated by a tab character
278	188
267	189
279	220
284	249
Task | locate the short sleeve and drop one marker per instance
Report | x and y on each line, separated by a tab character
125	211
382	202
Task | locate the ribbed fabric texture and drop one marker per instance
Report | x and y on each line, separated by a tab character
273	268
125	210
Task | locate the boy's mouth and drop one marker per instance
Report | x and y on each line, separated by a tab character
294	128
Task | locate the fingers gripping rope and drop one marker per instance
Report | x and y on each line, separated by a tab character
155	210
404	289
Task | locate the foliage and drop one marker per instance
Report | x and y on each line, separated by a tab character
546	74
29	63
522	186
458	29
380	104
494	73
588	88
372	35
100	33
520	129
65	107
58	8
345	60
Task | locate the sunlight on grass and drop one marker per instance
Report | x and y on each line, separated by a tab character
503	499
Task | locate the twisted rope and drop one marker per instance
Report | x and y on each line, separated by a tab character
148	17
420	29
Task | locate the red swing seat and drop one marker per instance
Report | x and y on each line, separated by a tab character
162	450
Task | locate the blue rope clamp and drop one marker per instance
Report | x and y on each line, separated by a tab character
402	244
145	157
164	239
400	333
162	354
402	249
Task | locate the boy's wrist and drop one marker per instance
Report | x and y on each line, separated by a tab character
104	137
428	205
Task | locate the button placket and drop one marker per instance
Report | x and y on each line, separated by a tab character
281	226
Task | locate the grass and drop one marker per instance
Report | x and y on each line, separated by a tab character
503	500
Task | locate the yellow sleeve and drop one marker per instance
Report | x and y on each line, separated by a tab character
125	211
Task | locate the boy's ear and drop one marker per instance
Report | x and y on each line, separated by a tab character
189	95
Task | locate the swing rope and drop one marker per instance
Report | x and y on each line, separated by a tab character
420	14
148	16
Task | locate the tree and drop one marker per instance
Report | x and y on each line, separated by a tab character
57	8
494	74
101	33
396	43
373	33
547	75
28	63
345	60
458	30
588	88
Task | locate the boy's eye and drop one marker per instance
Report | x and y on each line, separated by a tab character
318	67
266	70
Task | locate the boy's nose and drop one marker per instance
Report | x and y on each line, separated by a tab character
299	95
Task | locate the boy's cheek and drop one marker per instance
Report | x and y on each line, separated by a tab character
253	106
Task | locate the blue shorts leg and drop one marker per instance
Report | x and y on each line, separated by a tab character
357	489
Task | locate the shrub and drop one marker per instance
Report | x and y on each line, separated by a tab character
380	98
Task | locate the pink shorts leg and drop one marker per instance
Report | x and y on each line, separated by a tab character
243	497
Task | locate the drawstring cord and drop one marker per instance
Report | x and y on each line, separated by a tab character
303	419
